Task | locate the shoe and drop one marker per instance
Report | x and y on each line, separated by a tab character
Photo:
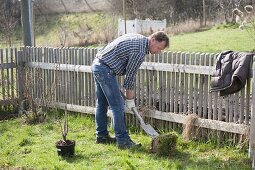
129	144
106	140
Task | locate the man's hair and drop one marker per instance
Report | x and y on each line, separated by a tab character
160	36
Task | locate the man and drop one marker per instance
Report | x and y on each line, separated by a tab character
123	56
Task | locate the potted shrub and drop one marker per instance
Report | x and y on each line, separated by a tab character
65	147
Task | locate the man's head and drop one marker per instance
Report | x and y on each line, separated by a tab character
158	41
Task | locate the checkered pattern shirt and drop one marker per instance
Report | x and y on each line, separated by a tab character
124	56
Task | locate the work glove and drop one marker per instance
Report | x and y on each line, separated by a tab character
129	104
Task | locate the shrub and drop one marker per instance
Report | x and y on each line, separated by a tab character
246	19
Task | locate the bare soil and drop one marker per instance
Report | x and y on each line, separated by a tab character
7	116
64	143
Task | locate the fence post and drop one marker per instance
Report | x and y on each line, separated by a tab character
21	80
252	121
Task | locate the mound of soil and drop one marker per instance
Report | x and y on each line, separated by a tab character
164	145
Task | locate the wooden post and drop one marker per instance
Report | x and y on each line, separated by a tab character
252	124
20	80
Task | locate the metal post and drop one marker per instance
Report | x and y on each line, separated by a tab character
124	15
27	22
204	13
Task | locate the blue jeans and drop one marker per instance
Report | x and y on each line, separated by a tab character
108	95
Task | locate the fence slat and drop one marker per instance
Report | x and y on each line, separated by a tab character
200	61
181	85
210	95
168	86
176	60
206	89
241	114
2	76
196	89
172	98
247	102
7	76
164	85
236	108
13	82
186	83
191	87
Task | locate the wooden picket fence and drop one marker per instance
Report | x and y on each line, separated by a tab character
8	79
169	87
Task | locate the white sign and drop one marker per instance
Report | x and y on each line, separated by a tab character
141	26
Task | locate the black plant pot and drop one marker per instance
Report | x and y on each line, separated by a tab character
65	148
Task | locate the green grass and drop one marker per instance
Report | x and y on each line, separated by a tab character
213	40
32	147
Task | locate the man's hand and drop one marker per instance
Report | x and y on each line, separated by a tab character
129	104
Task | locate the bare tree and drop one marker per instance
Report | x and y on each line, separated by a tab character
176	11
9	18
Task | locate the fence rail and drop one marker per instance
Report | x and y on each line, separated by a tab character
169	87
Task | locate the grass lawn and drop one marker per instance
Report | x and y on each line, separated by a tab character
33	147
74	29
214	40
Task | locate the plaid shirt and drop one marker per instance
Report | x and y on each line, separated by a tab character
125	55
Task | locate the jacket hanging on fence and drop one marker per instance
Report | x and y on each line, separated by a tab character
232	71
